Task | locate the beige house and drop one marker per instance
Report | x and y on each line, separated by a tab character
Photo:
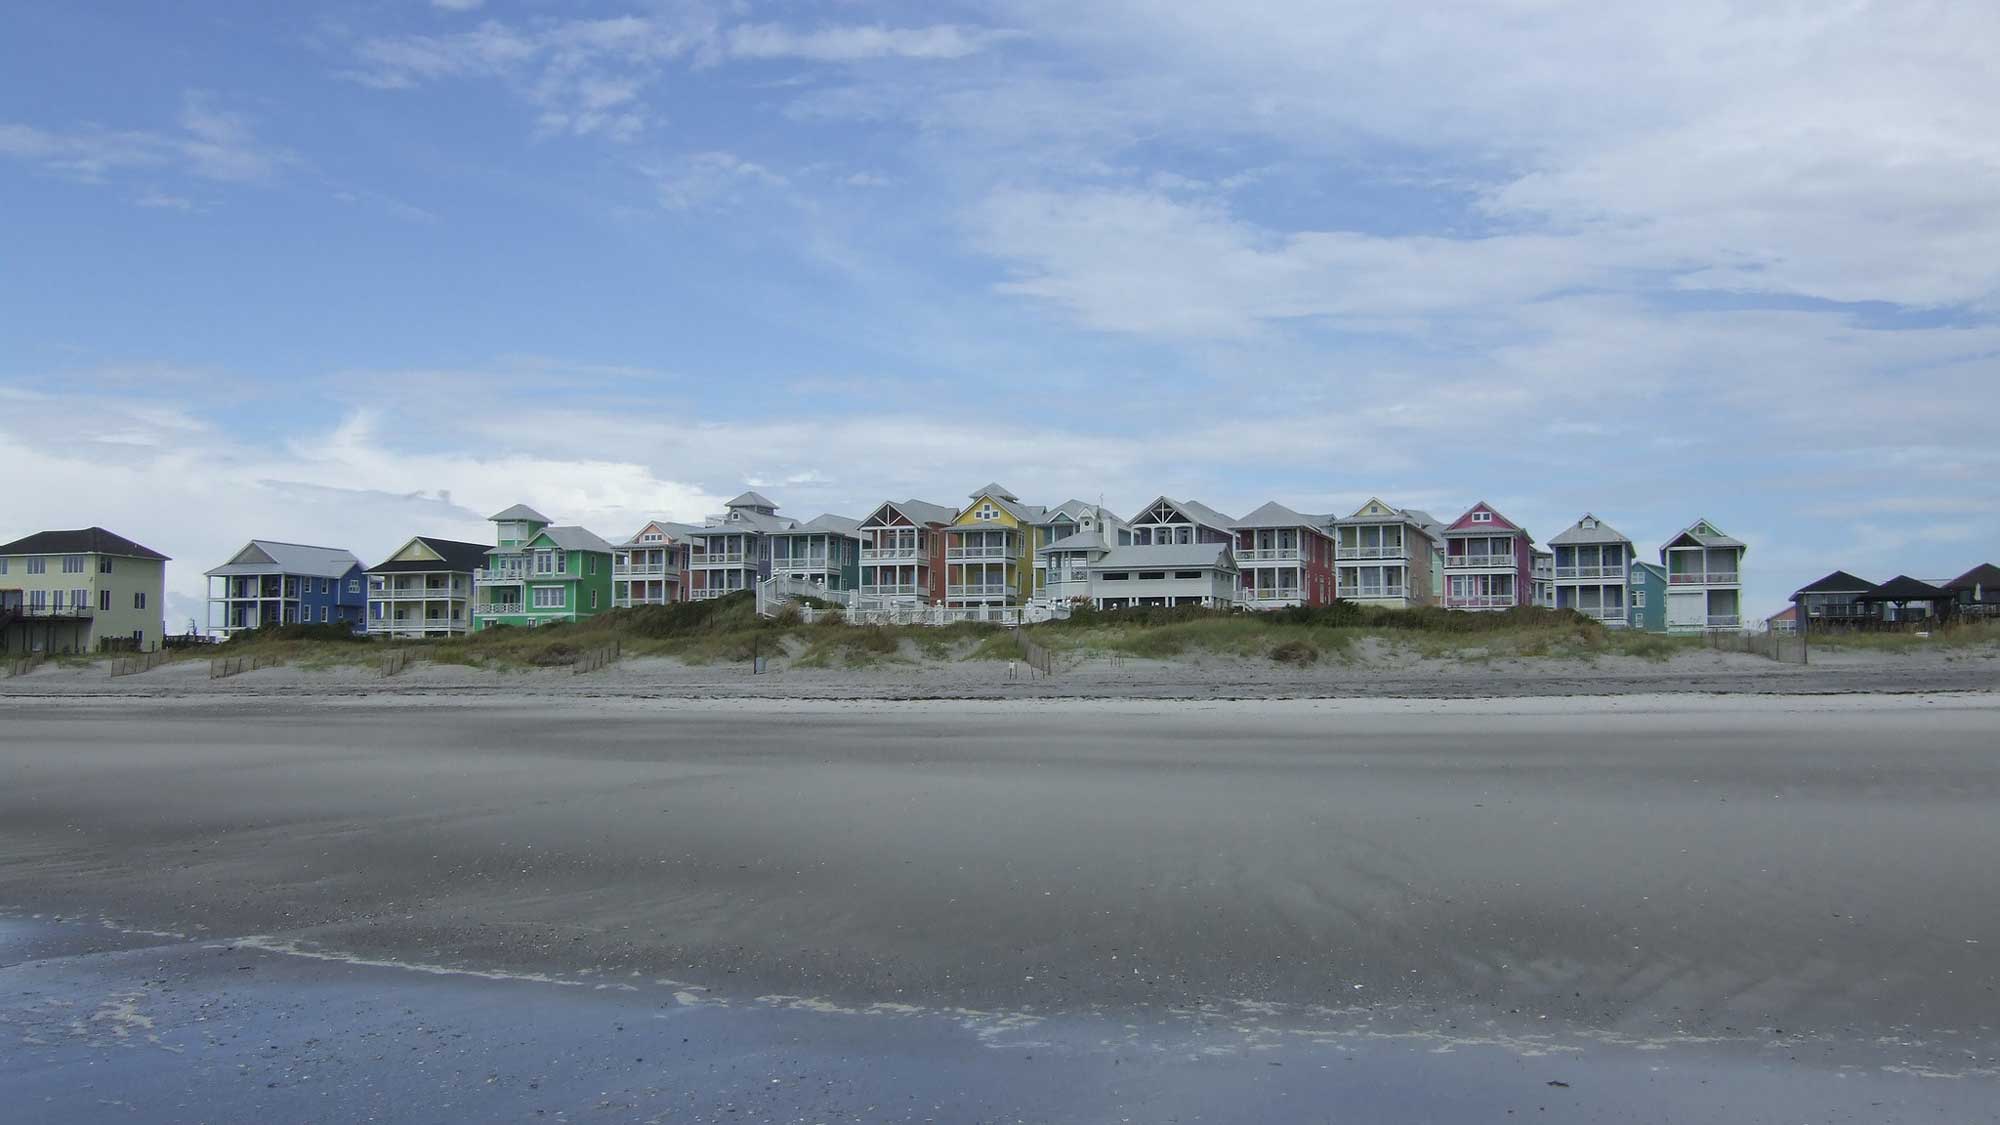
80	591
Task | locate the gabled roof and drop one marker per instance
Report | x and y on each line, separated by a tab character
673	531
1005	501
995	489
1658	570
1839	582
452	555
1703	533
1074	509
1463	525
82	541
919	512
1904	588
1167	556
1587	531
752	500
1196	512
269	556
1091	540
519	512
746	521
1789	613
1275	514
1430	524
569	537
1985	574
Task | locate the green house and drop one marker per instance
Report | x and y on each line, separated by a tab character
539	573
1648	593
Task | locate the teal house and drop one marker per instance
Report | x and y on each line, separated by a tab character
1648	593
539	573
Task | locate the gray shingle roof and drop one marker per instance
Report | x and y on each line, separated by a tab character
1092	540
751	500
1275	514
270	556
456	556
1165	556
1716	540
1579	535
828	524
572	538
1071	508
920	511
519	512
82	541
994	488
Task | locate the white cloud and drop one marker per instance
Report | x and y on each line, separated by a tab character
710	179
457	5
854	44
213	144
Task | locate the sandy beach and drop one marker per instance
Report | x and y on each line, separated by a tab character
1796	888
1374	671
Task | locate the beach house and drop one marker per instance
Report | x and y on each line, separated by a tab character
424	588
80	591
1383	555
1646	594
1284	558
732	551
650	567
1488	561
902	554
538	573
270	582
1704	580
989	559
824	551
1593	565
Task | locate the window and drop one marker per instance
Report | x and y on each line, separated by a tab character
72	564
38	599
139	637
3	564
590	564
139	600
1187	574
593	599
1151	575
1638	599
548	597
1115	575
103	565
322	615
38	566
80	598
354	585
1482	517
104	599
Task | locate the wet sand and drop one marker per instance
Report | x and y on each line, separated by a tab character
1797	888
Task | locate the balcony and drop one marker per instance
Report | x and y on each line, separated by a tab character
1725	621
642	570
722	558
1565	573
1605	613
415	626
891	554
56	612
499	609
501	576
894	590
1481	562
630	600
1392	551
1269	554
416	593
1001	552
713	592
1709	578
980	590
1360	592
1480	601
1273	595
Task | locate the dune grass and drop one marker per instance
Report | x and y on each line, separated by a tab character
1968	635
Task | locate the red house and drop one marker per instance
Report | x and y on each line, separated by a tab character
1285	558
1488	561
902	554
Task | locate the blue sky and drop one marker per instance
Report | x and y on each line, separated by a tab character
347	274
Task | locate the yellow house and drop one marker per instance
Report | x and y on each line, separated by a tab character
989	551
80	591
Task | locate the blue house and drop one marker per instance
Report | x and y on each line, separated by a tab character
1648	593
272	583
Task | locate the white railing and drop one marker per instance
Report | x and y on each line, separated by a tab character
1269	554
816	564
417	593
893	590
1480	601
642	570
978	552
1394	552
1370	592
630	600
1475	562
719	558
1710	578
1277	594
979	590
1563	572
505	576
1604	613
712	592
420	625
891	554
499	609
946	615
1724	621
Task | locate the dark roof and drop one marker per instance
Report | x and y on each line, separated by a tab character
1985	574
1839	582
83	541
1904	588
456	555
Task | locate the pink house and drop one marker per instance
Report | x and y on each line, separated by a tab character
1488	561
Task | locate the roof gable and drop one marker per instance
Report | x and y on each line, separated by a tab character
1985	574
989	510
424	552
1588	530
1839	582
518	513
753	499
1471	522
1274	514
1905	588
270	556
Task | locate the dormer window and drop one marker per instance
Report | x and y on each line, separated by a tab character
1482	517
